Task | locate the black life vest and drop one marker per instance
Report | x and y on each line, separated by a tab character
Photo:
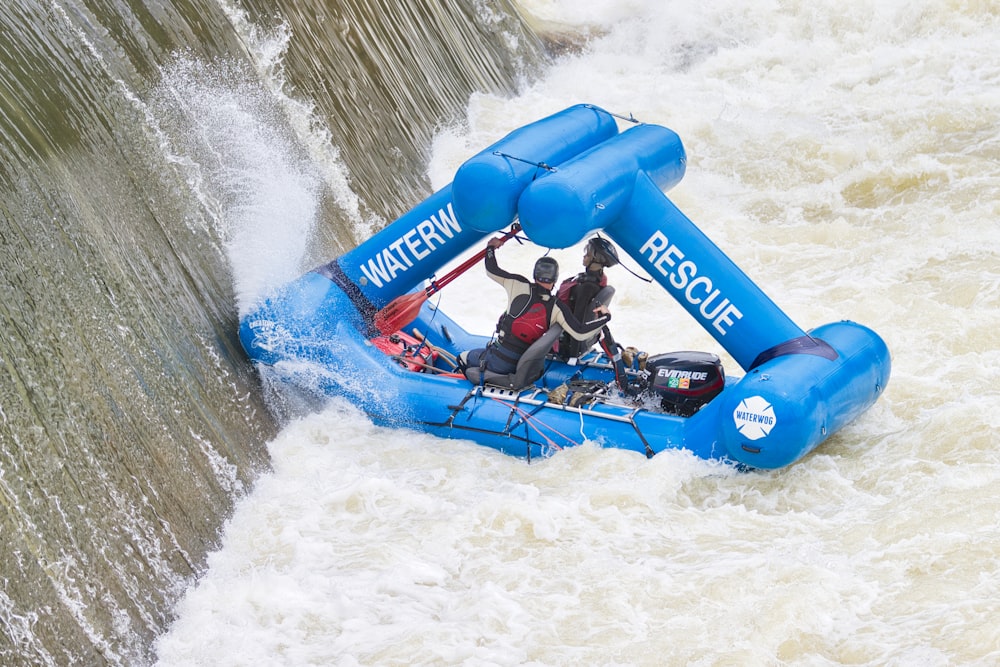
577	293
525	321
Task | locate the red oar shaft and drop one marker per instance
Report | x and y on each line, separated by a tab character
404	309
437	285
441	282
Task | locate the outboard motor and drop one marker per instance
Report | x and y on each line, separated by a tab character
684	381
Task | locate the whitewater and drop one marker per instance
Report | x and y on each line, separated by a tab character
846	157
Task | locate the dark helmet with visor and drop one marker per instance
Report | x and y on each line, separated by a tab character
546	270
601	251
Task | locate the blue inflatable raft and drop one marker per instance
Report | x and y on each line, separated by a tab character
563	178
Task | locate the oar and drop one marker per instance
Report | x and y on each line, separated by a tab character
404	309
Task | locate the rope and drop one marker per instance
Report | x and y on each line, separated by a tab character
417	361
529	420
542	165
630	118
443	353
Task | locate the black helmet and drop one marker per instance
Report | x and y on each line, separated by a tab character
546	270
601	251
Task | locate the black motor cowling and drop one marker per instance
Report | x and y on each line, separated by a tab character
684	381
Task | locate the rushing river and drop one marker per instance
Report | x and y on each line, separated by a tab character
164	166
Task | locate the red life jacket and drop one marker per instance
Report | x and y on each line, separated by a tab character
525	321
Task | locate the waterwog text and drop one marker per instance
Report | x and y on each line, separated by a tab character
411	247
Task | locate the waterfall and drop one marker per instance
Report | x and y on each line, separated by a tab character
162	165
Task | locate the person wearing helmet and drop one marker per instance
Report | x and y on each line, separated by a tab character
579	291
531	310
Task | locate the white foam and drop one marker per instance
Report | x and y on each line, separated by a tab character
845	156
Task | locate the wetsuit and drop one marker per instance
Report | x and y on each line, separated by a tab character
523	300
577	293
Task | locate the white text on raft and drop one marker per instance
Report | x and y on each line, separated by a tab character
695	289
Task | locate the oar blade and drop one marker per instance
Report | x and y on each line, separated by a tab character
399	312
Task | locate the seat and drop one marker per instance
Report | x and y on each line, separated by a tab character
530	366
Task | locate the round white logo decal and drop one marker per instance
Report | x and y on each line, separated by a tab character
754	418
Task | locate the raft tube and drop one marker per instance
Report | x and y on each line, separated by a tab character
564	177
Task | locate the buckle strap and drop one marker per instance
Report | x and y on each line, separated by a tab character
506	353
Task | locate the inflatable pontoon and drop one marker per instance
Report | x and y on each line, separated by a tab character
561	179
